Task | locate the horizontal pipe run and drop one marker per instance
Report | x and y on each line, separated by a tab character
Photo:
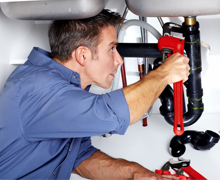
138	50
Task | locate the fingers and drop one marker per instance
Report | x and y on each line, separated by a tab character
149	175
178	67
165	177
170	177
185	61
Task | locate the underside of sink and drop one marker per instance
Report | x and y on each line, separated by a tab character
80	9
173	8
53	9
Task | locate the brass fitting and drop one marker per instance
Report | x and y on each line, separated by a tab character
190	20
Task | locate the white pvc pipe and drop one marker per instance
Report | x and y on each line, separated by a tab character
127	24
135	22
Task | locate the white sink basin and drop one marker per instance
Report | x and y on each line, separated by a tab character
53	9
173	8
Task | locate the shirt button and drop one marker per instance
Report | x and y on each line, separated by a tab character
75	76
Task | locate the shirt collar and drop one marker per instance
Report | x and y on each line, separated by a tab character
40	57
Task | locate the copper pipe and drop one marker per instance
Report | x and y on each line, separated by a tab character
141	70
144	123
124	81
123	75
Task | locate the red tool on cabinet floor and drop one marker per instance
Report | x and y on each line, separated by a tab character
184	164
165	171
169	45
180	166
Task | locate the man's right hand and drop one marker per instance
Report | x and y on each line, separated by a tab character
176	68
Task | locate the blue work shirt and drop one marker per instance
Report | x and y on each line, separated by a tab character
47	119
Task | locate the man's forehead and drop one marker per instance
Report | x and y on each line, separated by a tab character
110	35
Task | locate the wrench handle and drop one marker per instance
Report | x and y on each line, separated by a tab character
178	127
193	173
175	45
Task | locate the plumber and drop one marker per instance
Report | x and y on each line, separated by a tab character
47	114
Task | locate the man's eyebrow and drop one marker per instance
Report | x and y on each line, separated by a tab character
113	43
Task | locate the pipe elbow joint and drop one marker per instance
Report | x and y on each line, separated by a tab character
199	140
195	109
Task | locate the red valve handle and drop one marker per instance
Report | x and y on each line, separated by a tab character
178	127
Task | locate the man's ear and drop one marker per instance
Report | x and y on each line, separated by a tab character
82	55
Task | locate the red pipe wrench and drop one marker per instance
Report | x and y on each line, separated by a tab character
170	45
165	171
185	165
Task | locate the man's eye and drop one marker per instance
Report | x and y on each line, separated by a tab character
112	48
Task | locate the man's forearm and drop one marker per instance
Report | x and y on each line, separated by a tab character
141	95
101	166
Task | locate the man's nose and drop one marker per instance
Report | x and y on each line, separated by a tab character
118	59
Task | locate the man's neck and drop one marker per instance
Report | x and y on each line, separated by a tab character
73	66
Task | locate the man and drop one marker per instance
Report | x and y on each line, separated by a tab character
48	116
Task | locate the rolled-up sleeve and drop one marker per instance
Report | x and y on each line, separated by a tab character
65	111
117	103
86	150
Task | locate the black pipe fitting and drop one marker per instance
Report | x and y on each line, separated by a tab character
193	85
199	140
138	50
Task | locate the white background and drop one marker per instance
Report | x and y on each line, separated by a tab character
145	145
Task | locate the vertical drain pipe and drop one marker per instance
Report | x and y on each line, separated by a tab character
194	85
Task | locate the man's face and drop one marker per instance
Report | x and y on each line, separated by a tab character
105	63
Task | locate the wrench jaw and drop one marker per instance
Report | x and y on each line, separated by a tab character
185	165
179	171
166	167
180	163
